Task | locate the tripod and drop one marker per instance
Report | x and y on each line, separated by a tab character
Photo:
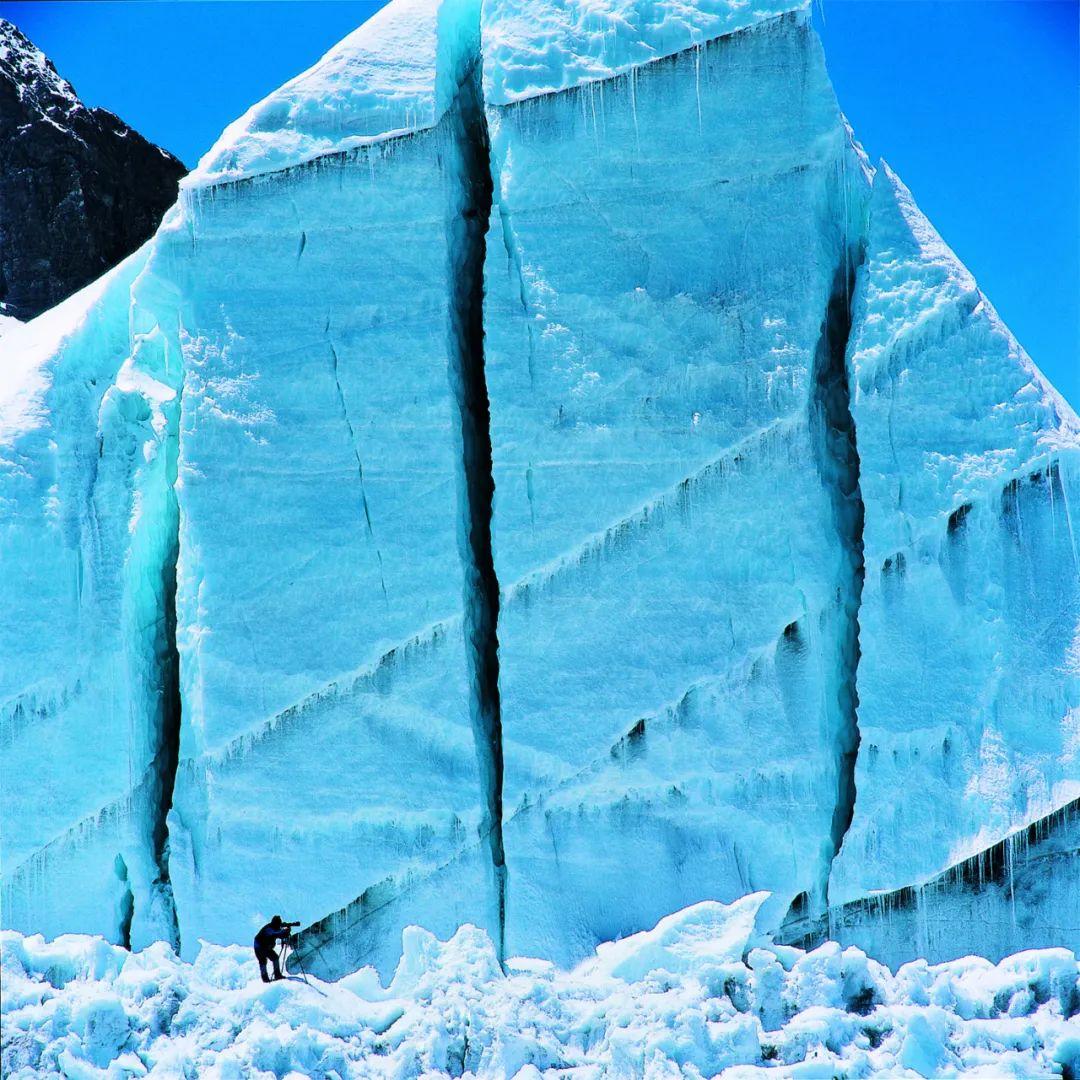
286	946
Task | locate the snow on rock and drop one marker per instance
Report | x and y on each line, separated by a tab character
79	189
969	678
39	85
79	1007
538	46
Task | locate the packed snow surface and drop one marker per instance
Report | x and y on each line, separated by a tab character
537	46
396	73
693	998
378	81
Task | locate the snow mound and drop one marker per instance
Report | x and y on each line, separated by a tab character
82	1008
704	934
537	46
35	350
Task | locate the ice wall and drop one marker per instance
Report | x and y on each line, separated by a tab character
328	741
1021	890
969	685
664	530
87	538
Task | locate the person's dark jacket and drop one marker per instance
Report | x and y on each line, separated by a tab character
269	936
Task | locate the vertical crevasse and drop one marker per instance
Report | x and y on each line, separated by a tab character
154	661
167	729
468	213
837	461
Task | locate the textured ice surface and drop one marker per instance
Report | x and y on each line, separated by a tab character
969	681
85	407
326	716
704	1004
670	626
538	46
1022	889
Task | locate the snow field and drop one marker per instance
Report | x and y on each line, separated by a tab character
243	559
697	995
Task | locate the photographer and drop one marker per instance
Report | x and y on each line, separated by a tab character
266	939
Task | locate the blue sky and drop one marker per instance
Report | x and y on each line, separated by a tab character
973	102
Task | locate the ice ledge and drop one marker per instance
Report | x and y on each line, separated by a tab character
395	74
534	47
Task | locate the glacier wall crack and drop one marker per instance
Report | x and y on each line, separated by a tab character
470	193
837	461
166	757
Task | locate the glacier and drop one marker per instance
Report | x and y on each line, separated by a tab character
533	480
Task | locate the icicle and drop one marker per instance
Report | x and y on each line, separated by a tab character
1068	521
1009	859
697	84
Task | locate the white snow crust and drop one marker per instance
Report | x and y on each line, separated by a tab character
539	46
87	1010
393	75
378	82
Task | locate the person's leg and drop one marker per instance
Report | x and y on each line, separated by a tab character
261	957
274	961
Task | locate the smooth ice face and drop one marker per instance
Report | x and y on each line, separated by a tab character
969	681
675	581
538	46
85	408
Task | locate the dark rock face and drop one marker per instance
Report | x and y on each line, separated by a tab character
79	189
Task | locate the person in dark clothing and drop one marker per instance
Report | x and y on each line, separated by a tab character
266	940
